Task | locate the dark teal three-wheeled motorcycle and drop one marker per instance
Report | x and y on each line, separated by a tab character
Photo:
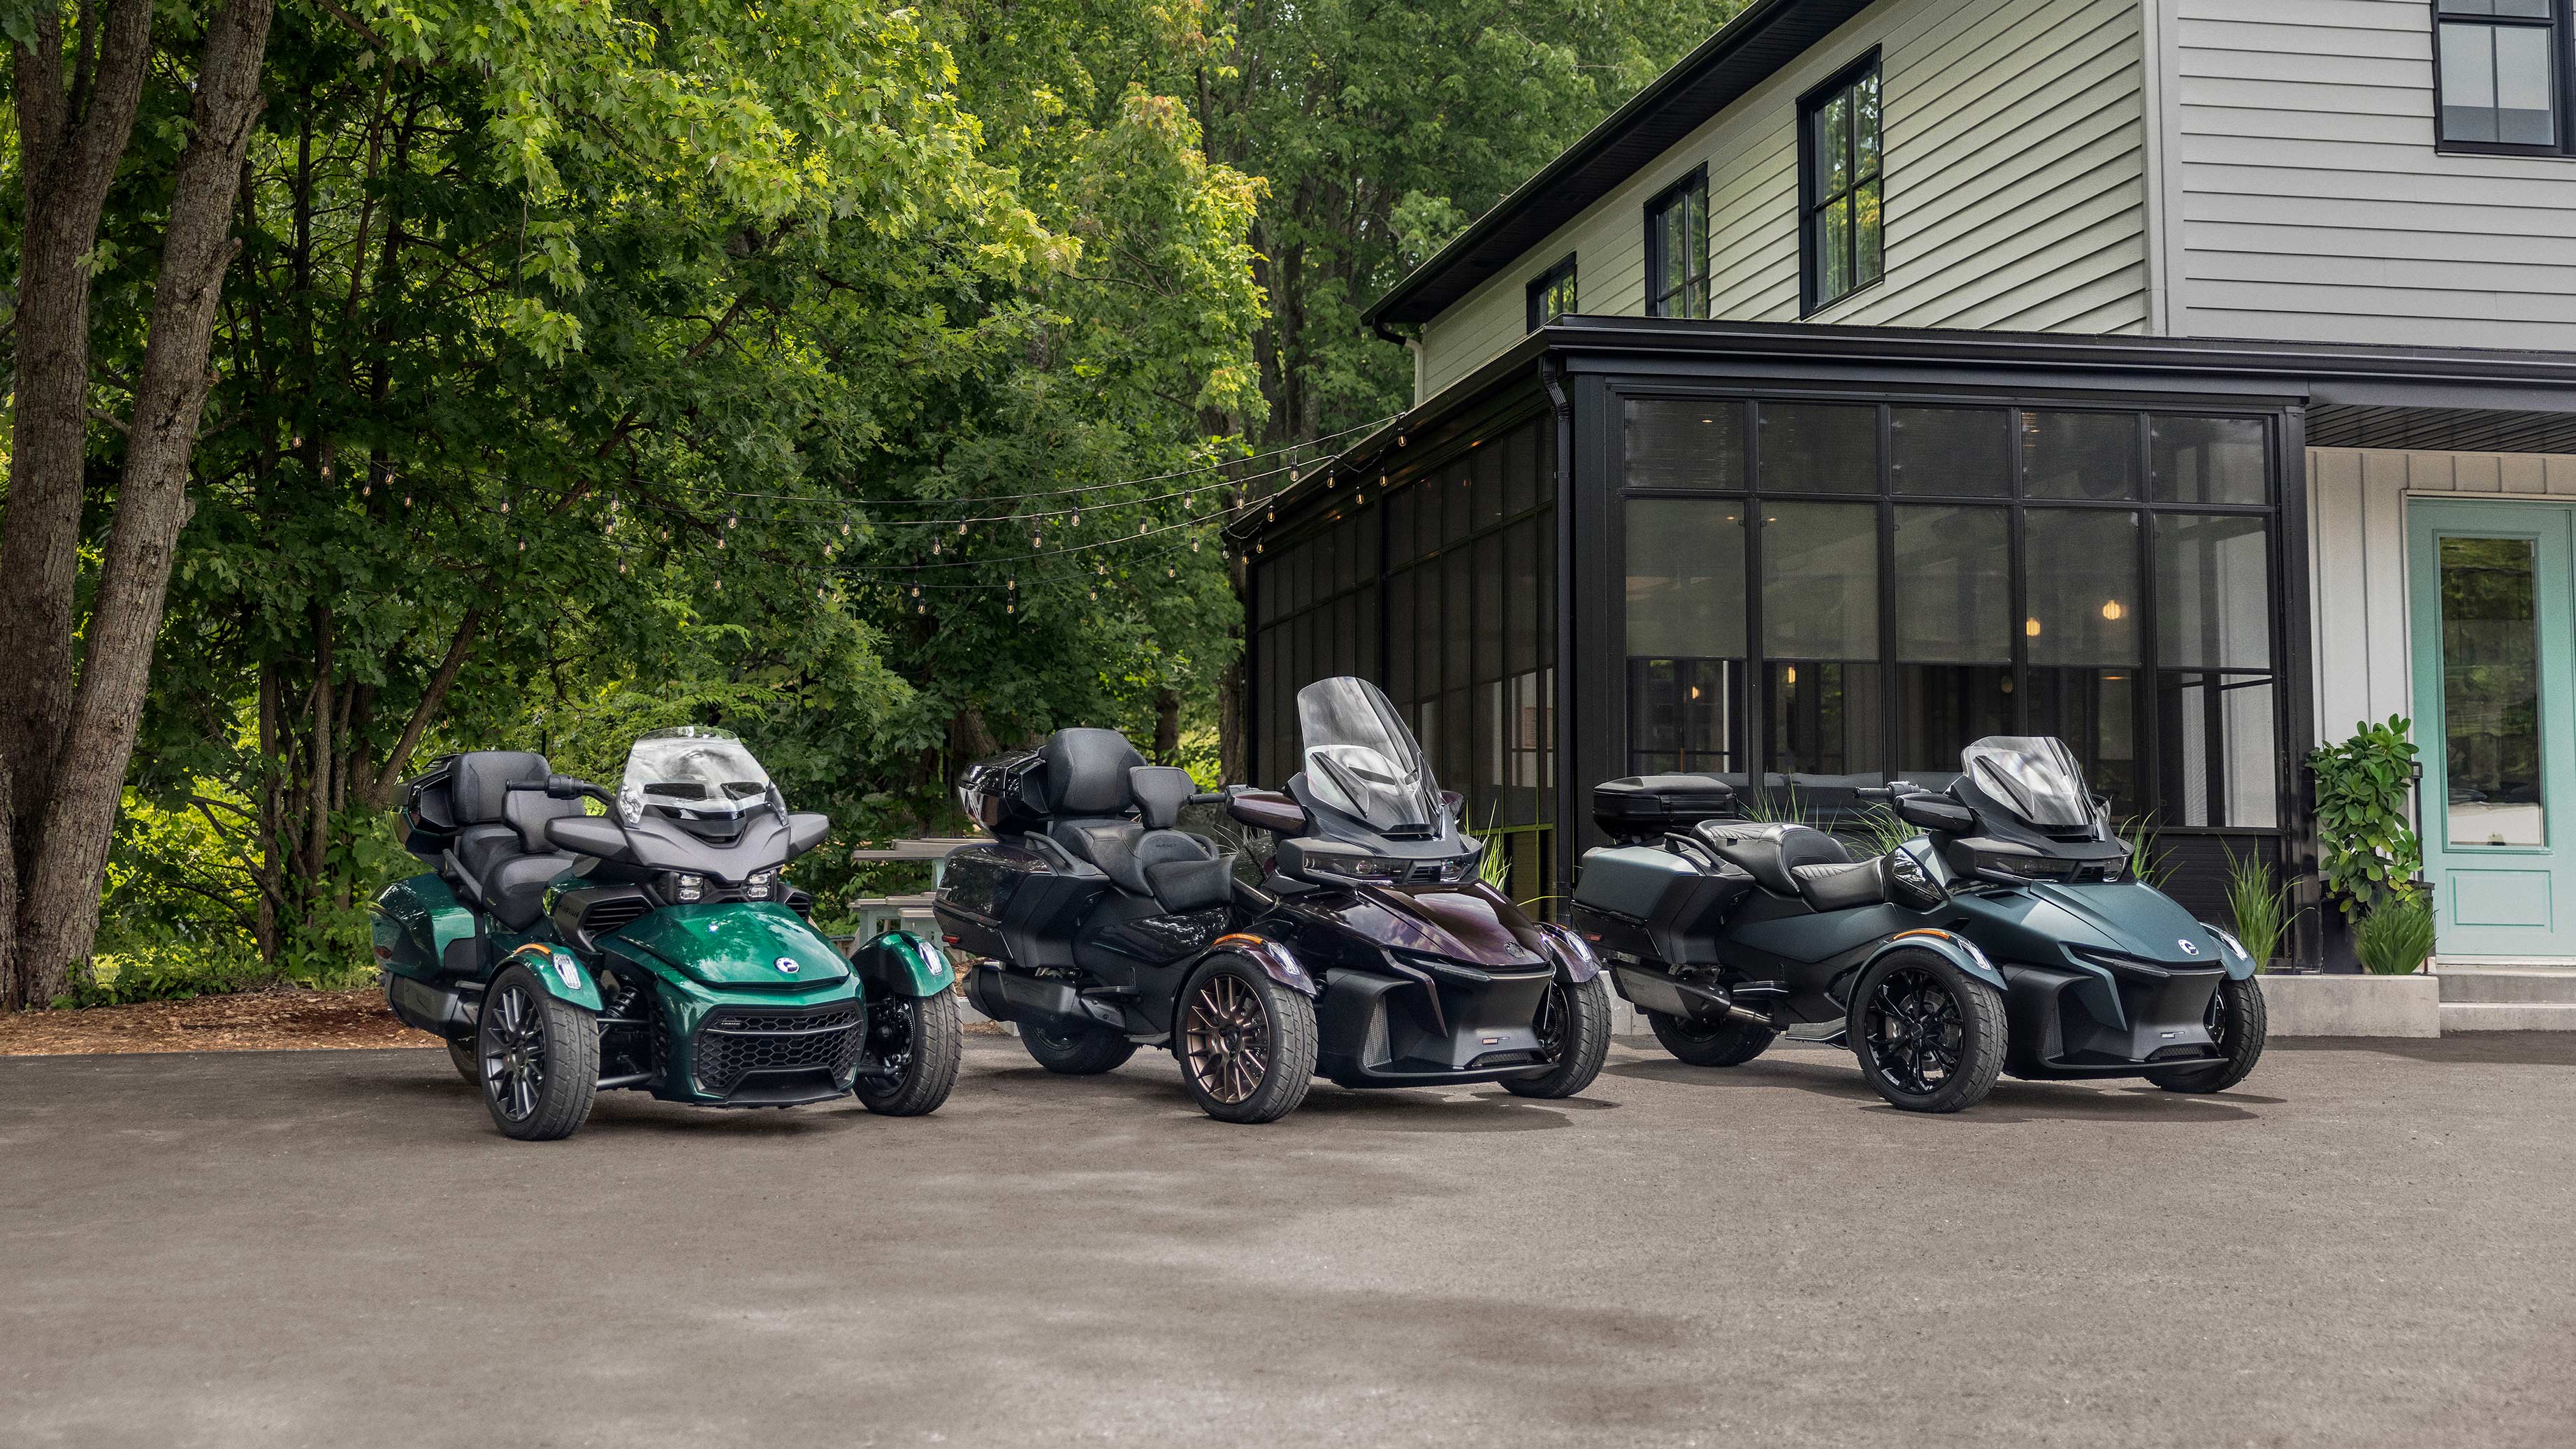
655	947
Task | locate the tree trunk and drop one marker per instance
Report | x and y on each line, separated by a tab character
69	144
62	903
1167	726
13	993
1233	730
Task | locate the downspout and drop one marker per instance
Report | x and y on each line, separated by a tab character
1410	344
1551	376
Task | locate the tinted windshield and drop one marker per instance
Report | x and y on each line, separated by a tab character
692	771
1361	760
2037	778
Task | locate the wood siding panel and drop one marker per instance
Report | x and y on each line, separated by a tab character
2015	161
2309	203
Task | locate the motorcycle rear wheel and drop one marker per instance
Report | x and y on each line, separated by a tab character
1929	1037
2238	1024
1246	1043
461	1055
1726	1042
1075	1050
1574	1023
918	1036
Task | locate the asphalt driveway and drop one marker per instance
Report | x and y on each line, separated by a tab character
2368	1244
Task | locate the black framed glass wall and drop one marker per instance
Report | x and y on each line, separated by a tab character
1823	593
1438	583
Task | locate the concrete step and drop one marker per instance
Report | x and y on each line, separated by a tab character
2508	1016
2494	984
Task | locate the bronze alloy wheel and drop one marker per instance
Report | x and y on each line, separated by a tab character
1550	1026
1226	1040
514	1052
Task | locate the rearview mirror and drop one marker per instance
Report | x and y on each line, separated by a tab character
1935	813
805	830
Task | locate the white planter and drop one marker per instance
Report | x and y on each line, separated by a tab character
2352	1005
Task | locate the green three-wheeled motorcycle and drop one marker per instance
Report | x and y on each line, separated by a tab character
655	947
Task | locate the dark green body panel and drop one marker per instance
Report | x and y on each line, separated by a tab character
903	964
686	1004
736	944
415	921
562	974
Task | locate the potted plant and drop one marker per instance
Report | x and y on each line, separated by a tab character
2396	938
2368	857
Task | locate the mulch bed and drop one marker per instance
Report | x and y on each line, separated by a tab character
283	1020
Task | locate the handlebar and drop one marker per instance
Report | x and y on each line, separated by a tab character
565	787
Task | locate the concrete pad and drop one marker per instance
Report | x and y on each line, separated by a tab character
2347	1006
2364	1247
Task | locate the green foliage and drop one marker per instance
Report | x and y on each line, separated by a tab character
1882	830
2367	847
2395	937
2258	904
2146	863
1769	807
1494	865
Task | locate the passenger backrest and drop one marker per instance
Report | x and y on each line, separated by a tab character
479	787
1160	792
527	812
1086	772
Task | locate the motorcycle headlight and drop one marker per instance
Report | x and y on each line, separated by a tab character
761	884
1366	869
688	888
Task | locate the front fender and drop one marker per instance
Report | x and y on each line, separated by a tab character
1957	949
1575	963
900	963
1276	960
559	973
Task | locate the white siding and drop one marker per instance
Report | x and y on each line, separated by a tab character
2357	559
2310	204
2016	186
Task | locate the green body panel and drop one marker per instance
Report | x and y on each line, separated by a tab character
903	964
415	921
562	973
737	943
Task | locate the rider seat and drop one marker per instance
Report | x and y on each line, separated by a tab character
1798	860
502	860
1093	779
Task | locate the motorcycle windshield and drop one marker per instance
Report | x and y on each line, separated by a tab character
694	772
1362	761
2035	777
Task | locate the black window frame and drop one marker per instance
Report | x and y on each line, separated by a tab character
1696	278
1545	282
2561	24
1810	205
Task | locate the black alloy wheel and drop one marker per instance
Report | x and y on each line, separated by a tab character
1929	1037
915	1040
540	1059
1246	1043
2238	1026
1573	1028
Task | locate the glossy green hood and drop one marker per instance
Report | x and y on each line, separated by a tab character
738	943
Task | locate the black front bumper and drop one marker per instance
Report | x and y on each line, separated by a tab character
2124	1021
1439	1025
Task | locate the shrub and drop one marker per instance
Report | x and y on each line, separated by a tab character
2396	937
2260	904
2366	847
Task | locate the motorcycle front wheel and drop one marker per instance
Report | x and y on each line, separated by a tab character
1929	1036
540	1059
1247	1044
916	1038
1574	1030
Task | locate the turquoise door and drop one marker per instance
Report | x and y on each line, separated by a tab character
2495	716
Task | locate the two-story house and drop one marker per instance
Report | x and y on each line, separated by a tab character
2186	380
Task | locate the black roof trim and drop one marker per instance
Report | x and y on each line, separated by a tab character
1742	54
2337	378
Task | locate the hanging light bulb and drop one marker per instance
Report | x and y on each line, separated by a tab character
406	500
1077	518
621	566
505	503
1012	584
961	527
845	528
523	545
730	520
719	586
934	545
719	540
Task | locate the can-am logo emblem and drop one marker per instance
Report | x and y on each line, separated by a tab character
788	965
2188	948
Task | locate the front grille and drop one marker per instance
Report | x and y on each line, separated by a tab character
736	1043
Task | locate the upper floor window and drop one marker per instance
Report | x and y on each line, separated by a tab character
1677	249
1552	295
2502	74
1841	246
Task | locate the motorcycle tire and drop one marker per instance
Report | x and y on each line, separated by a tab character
1726	1042
1076	1051
919	1035
1929	1037
539	1059
462	1056
1574	1022
2238	1023
1246	1043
